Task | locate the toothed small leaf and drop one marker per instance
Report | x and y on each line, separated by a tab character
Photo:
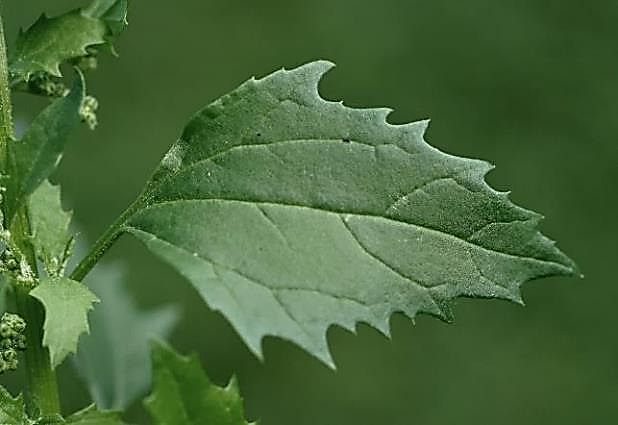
12	409
183	394
66	303
290	213
50	42
35	157
50	228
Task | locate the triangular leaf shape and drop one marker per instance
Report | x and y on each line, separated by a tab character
289	213
182	393
67	304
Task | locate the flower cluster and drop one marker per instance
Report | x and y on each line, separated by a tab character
88	111
12	340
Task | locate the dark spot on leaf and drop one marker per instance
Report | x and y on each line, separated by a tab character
346	140
259	135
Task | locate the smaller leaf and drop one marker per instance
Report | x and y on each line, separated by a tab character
91	416
12	409
49	42
35	157
66	303
50	228
113	359
183	394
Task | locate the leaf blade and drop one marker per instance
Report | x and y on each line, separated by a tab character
49	42
182	393
277	200
12	409
67	304
50	228
36	155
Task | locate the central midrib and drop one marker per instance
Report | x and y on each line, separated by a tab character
441	233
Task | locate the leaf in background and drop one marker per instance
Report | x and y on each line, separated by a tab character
182	393
66	303
50	228
49	42
290	213
113	358
12	409
91	416
35	157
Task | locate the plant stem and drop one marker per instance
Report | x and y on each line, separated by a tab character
40	377
6	118
104	242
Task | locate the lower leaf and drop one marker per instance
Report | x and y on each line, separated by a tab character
183	394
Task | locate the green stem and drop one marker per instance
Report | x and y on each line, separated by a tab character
104	242
40	377
6	118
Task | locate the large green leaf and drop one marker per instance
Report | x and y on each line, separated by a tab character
92	416
67	304
37	154
49	42
290	213
113	359
50	228
182	393
12	409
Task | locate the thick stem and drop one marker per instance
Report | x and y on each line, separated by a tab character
6	118
40	377
41	384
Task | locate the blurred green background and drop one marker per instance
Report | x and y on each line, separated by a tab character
530	85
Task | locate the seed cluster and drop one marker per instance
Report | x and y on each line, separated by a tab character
12	340
88	111
43	84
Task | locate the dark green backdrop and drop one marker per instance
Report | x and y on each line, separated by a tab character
530	85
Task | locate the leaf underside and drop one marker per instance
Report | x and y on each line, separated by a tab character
183	394
67	304
289	213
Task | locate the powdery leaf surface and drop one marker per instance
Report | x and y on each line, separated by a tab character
290	213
